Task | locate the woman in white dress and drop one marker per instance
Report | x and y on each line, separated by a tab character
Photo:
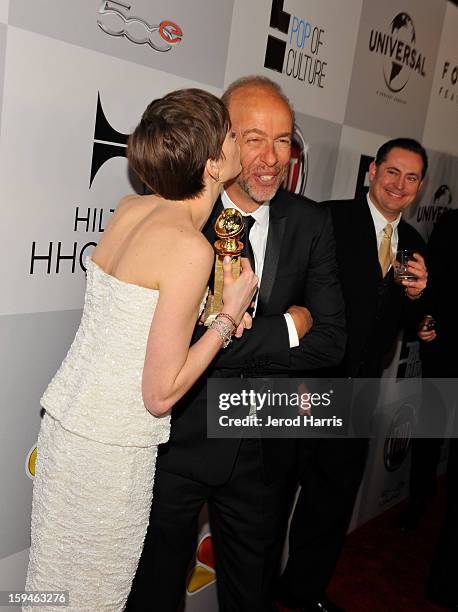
108	406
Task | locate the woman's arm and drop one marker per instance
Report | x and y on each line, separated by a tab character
171	366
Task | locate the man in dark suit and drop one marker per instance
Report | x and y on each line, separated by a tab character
438	361
244	481
368	231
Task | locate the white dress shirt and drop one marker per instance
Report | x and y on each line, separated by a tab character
379	223
258	240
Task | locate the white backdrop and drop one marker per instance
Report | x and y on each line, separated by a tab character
58	57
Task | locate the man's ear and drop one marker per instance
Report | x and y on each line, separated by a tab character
372	170
212	169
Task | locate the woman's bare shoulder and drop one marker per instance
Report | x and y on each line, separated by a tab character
133	206
189	239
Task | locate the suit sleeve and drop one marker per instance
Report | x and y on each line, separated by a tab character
266	345
324	345
441	263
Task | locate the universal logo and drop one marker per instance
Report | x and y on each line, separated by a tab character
448	88
398	46
442	201
114	20
399	437
302	61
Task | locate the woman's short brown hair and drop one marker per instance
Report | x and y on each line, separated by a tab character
174	139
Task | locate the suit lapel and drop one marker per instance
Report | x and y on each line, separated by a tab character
277	226
363	232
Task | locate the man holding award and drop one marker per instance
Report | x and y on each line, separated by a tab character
298	324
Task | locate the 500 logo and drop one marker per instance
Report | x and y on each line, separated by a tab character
114	20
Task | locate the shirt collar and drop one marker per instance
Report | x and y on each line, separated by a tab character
260	215
378	219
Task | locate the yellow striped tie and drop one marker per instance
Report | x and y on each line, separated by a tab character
385	254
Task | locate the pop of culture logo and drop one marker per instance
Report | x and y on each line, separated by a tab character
30	462
399	437
203	574
299	55
398	47
114	20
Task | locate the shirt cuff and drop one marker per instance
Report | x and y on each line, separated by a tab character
292	333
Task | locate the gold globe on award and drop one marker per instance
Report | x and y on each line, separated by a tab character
229	227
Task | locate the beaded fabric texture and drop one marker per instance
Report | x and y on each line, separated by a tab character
90	512
96	454
96	392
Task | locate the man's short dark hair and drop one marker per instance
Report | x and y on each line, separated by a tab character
409	144
176	136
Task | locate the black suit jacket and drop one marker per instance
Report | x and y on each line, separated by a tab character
439	356
299	269
371	330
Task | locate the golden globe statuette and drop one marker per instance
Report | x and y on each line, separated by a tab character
229	226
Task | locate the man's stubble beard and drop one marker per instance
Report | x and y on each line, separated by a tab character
254	192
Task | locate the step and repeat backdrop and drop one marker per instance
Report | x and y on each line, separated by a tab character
74	80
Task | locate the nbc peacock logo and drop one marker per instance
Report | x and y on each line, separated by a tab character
203	574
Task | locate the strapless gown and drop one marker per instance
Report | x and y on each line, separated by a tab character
96	454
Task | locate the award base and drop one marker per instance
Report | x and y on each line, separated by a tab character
214	303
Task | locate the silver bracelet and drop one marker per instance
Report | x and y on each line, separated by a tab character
224	329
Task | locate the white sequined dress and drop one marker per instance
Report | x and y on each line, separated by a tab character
96	454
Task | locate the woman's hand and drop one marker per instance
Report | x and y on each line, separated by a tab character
238	292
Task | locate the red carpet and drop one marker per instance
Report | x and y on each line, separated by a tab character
383	569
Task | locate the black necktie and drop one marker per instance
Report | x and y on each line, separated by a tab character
247	248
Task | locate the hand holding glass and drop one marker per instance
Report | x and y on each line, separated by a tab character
401	266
